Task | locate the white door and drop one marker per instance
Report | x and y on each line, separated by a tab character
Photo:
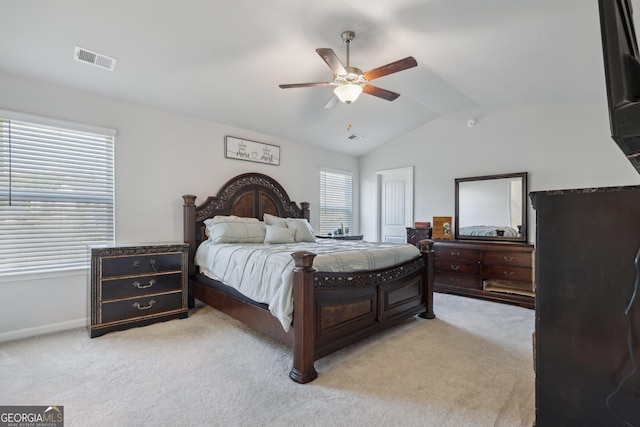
395	204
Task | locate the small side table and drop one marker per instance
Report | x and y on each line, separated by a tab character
341	236
414	235
136	285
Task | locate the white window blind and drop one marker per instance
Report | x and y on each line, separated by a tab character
336	200
56	194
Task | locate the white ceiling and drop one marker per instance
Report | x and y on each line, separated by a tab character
223	60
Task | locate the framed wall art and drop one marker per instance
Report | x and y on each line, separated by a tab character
442	227
251	151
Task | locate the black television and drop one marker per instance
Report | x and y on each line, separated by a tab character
622	75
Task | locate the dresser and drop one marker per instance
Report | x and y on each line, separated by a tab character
136	285
586	244
498	271
414	235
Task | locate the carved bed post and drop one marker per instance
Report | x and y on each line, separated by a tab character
305	210
304	322
426	247
189	231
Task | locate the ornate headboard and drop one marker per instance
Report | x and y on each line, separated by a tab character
246	195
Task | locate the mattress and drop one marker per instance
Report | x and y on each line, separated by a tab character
264	272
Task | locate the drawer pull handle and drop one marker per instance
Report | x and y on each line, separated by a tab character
152	264
508	259
137	284
455	267
508	273
146	307
136	264
455	253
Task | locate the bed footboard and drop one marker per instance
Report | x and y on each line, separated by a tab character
333	310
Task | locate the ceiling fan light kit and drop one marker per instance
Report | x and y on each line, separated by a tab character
350	82
348	92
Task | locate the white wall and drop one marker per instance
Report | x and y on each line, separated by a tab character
159	156
560	146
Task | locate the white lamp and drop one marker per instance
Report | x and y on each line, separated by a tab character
348	92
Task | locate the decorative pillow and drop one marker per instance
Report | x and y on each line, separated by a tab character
275	220
304	232
277	234
235	230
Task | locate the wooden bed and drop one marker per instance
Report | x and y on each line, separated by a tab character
331	310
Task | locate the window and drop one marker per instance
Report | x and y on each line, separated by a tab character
56	192
336	200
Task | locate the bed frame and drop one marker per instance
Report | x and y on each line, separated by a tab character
331	310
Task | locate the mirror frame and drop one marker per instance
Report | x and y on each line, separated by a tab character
525	208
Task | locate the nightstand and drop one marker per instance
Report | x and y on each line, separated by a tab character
341	236
136	285
414	235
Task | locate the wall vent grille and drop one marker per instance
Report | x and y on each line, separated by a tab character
355	137
95	59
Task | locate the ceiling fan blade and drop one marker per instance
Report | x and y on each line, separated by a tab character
391	68
332	60
331	102
380	93
305	85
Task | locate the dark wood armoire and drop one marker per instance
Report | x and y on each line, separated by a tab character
586	244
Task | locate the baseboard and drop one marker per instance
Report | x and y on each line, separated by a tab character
44	329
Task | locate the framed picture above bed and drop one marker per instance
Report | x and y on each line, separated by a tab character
251	151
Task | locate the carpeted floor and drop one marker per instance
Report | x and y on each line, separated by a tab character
471	366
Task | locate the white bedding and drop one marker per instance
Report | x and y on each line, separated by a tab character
264	272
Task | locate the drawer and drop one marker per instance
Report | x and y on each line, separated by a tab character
454	266
140	264
460	254
140	286
461	280
139	307
511	259
511	273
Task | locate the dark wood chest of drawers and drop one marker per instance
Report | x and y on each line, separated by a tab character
136	285
496	271
414	235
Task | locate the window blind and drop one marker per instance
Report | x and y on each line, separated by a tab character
56	195
336	200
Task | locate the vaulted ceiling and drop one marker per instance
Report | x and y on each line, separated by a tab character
223	60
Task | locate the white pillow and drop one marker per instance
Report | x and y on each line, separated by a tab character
230	218
304	232
274	220
237	230
275	234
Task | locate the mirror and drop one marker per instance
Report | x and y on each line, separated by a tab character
492	207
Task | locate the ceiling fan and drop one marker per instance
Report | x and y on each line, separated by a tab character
349	81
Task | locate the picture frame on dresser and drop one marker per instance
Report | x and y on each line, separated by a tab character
442	227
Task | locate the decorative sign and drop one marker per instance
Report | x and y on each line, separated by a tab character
252	151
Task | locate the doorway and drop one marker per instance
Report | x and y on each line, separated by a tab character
395	204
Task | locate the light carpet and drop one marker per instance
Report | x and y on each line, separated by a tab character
471	366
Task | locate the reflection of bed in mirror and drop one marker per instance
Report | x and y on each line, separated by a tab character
491	207
489	230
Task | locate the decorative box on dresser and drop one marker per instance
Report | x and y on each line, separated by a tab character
586	244
498	271
136	285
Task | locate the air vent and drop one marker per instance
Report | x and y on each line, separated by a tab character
95	59
355	137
